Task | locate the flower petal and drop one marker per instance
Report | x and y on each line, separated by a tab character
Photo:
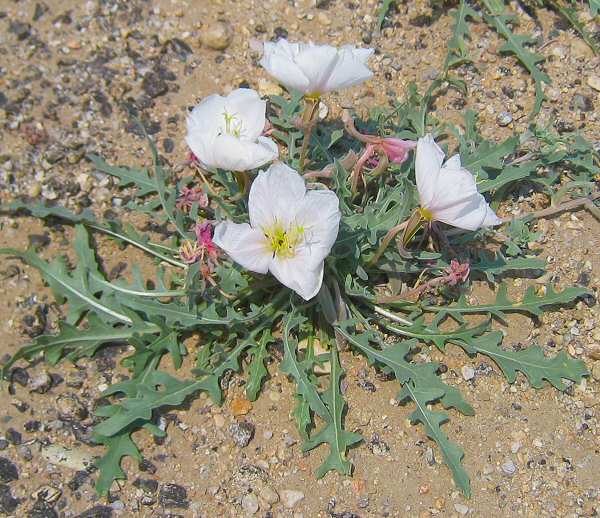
278	61
245	245
428	162
350	69
457	201
274	196
317	63
250	109
319	215
234	154
295	274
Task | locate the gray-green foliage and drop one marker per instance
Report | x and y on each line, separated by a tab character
242	320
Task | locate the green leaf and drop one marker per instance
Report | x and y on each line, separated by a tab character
333	434
74	287
594	7
507	176
530	361
515	45
40	210
109	465
383	10
432	421
127	176
457	48
531	303
487	155
257	371
571	15
498	264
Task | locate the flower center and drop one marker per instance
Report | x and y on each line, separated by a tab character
233	125
426	214
283	242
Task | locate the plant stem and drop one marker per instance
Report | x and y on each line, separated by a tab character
392	316
309	121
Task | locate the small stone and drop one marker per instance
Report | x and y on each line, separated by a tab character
219	420
154	85
48	494
430	457
242	433
3	444
41	383
250	503
468	372
8	471
461	509
24	452
515	447
596	370
509	468
70	408
217	35
7	502
147	485
147	467
268	494
240	406
98	511
366	385
377	446
117	505
323	19
74	459
173	495
19	375
13	437
594	82
268	88
291	497
504	119
268	435
42	509
582	103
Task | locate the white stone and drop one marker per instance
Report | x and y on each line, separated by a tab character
250	503
290	497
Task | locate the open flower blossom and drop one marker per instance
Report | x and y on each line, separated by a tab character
226	132
316	69
291	230
448	192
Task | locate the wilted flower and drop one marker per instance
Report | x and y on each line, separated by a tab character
203	250
291	230
226	132
449	193
316	69
191	195
457	272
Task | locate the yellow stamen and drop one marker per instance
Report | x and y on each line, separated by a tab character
283	242
426	214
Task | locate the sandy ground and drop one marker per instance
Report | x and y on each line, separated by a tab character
70	74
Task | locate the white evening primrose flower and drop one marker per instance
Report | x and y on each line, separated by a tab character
226	132
316	69
448	192
291	230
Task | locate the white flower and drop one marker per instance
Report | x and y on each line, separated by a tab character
449	193
225	132
316	69
291	230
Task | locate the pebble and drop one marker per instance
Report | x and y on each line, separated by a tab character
74	459
13	437
582	102
24	452
8	503
48	494
241	433
147	485
268	88
250	503
268	494
8	471
291	497
41	383
509	468
70	408
98	511
594	82
504	119
217	35
515	447
323	19
468	372
173	495
596	370
42	509
461	509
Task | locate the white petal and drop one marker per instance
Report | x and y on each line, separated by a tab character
350	69
203	126
457	201
428	162
318	62
275	196
278	61
236	154
296	275
319	215
245	245
250	109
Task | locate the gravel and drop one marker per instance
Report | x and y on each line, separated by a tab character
8	470
173	495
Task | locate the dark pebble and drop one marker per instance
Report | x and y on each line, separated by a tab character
259	28
582	103
78	480
366	385
280	32
40	10
242	433
8	503
147	467
39	240
21	406
8	471
154	85
346	514
422	20
82	433
42	509
70	408
13	437
20	29
148	485
173	495
19	375
24	452
168	145
3	444
98	511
